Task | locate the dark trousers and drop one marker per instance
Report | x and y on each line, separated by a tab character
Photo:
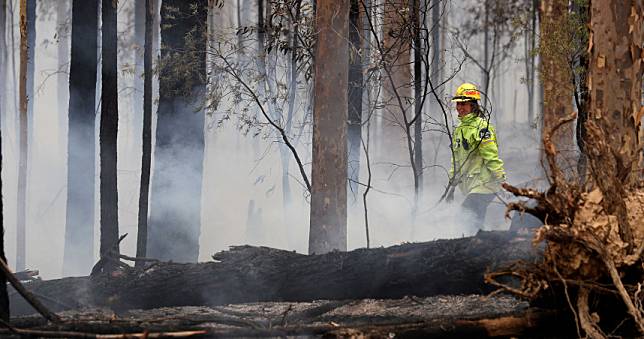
476	204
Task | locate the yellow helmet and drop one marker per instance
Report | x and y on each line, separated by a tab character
466	92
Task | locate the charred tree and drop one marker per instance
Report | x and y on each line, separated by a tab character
251	274
354	130
417	118
108	134
328	230
4	296
81	154
21	222
556	76
146	156
175	209
3	59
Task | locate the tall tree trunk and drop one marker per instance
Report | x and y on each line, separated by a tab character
615	79
62	78
139	42
31	48
615	83
394	138
4	296
354	130
22	162
418	103
146	156
108	133
175	209
556	78
328	230
530	62
582	94
81	153
3	60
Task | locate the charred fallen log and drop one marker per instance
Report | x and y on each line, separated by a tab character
445	316
251	274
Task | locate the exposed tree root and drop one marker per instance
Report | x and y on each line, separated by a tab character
594	236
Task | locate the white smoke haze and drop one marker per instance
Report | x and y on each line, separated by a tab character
239	168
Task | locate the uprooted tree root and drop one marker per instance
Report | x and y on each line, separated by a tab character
594	237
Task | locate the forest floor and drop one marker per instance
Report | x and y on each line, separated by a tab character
442	316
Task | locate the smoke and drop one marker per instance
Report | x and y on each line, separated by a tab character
240	168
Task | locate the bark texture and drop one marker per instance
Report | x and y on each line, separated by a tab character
108	132
21	218
175	200
146	155
354	130
81	154
397	90
442	317
556	75
615	79
4	297
328	230
615	85
251	274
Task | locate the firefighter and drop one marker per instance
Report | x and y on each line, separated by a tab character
476	169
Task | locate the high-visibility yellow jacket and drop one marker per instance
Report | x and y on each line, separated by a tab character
476	166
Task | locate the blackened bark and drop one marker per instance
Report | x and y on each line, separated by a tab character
175	209
3	58
142	234
418	104
354	130
328	226
79	227
4	297
108	133
251	274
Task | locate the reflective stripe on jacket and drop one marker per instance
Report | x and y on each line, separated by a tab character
476	166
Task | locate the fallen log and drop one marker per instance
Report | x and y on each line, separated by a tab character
251	274
443	316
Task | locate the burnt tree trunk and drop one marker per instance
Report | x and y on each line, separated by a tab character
108	134
175	200
417	118
146	155
4	297
251	274
328	215
81	154
3	59
354	130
